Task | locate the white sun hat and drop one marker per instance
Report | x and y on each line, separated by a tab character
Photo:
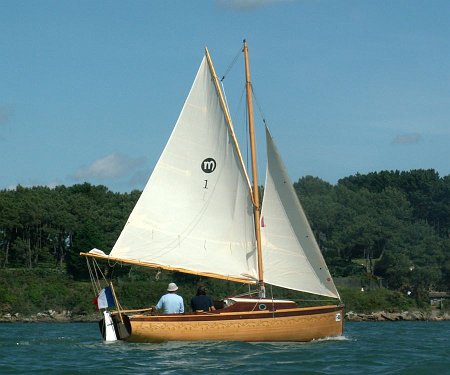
172	287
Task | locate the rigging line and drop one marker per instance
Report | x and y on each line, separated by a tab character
240	104
95	282
95	289
99	269
241	100
261	113
95	266
231	65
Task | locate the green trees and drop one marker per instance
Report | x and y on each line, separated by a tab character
395	225
47	227
427	193
390	225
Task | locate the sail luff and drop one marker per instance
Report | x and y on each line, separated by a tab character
251	130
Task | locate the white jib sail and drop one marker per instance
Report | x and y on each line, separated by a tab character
195	212
292	258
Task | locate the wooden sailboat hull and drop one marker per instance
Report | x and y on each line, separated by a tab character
298	324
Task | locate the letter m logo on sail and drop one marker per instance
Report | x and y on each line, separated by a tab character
208	165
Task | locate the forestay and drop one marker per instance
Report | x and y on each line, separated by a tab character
195	213
292	258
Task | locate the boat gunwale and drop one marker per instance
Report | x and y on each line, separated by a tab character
236	315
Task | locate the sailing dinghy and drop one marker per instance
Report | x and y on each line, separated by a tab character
200	214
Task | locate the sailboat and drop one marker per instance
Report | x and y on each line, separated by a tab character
200	213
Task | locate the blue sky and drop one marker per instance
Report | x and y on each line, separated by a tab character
90	90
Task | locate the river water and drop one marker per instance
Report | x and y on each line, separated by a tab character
366	348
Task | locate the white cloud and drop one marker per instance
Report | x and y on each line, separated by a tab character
405	139
111	166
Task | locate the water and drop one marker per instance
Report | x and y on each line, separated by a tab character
367	348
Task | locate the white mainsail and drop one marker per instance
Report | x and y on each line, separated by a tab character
292	258
195	213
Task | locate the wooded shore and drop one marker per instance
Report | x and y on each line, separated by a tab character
52	316
380	316
384	235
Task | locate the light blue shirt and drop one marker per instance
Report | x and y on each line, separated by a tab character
171	303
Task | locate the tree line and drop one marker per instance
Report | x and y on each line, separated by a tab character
48	227
390	226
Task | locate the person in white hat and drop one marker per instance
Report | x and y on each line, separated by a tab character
171	303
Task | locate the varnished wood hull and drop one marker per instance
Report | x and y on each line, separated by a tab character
297	324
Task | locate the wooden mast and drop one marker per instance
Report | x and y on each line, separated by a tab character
257	207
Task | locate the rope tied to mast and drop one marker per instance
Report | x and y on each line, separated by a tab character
258	104
231	65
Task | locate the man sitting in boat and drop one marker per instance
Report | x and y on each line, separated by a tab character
171	303
202	302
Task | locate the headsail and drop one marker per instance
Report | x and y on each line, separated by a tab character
292	258
195	213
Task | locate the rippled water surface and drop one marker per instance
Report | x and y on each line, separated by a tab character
366	348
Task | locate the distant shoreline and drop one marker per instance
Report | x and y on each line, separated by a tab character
50	316
53	316
382	316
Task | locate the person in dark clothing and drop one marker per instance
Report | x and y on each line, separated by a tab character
202	302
